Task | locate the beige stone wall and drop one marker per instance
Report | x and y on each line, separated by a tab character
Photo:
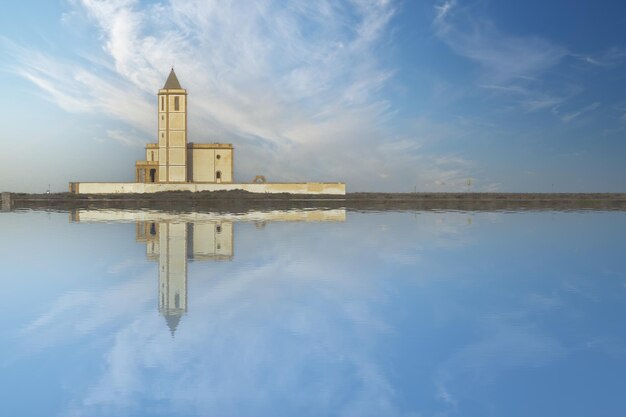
206	160
335	188
176	122
152	155
177	156
224	165
203	162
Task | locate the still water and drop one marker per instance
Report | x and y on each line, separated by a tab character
313	313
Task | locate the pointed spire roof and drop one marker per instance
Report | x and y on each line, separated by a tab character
172	82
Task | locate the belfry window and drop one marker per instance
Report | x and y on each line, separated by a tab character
176	103
162	103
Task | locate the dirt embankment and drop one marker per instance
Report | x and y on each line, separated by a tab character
238	201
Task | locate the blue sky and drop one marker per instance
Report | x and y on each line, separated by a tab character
384	95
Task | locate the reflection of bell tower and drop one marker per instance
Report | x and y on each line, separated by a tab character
172	245
172	272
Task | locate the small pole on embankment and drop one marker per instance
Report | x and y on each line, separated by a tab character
6	201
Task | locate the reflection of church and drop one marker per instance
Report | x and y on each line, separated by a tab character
172	239
172	244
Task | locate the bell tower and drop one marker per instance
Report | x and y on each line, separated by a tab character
172	140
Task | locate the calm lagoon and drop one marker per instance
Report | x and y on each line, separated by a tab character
313	313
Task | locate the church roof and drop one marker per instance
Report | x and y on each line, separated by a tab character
172	82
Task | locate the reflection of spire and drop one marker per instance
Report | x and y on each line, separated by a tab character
172	318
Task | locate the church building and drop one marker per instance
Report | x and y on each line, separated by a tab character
175	164
173	159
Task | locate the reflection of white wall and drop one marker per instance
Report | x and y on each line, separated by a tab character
336	215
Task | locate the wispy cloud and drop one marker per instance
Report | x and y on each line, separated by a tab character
568	117
504	57
125	137
513	67
78	87
608	58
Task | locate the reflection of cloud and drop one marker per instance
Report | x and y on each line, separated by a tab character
506	347
271	335
79	313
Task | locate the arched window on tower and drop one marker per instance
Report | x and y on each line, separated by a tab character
176	103
218	176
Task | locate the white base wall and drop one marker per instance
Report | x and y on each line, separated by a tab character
335	188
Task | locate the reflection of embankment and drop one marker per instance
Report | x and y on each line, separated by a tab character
239	201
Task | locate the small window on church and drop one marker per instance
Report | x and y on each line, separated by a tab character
162	103
218	156
176	104
218	229
218	175
162	117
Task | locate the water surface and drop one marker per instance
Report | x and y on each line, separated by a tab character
313	313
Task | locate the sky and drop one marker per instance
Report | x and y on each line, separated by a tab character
384	95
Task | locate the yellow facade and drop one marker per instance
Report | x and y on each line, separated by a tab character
172	159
